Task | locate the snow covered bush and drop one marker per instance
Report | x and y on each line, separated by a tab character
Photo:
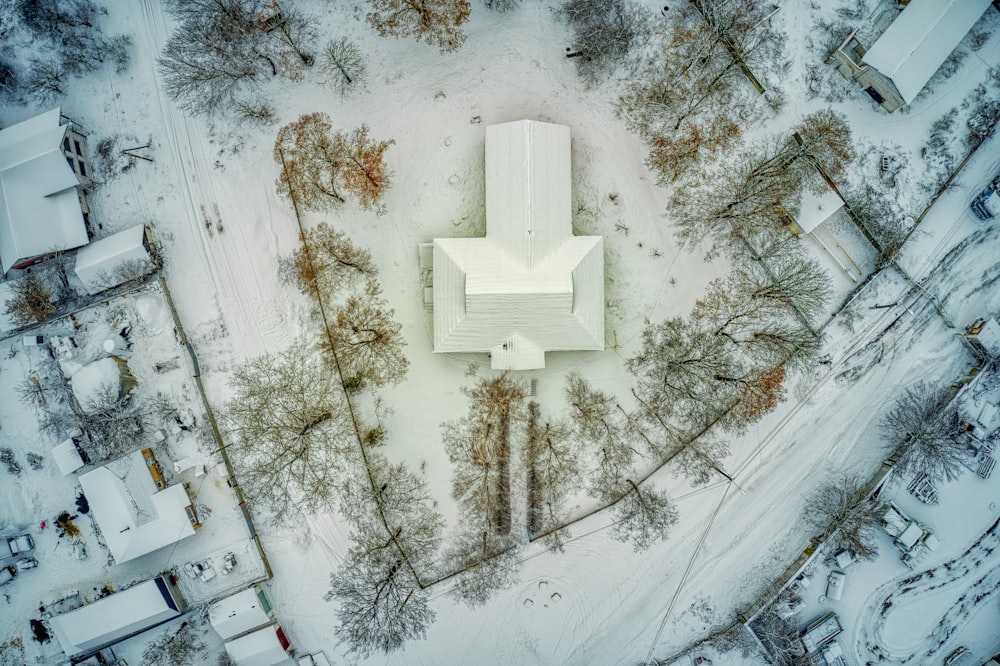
68	32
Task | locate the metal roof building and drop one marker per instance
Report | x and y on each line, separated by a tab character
530	286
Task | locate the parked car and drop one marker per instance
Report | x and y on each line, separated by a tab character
987	204
14	546
26	563
835	585
7	574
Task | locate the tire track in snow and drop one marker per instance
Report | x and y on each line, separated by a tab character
978	568
190	163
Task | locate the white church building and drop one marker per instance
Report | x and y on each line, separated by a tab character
529	286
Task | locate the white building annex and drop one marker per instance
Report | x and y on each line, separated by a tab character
920	40
135	509
100	265
530	286
40	209
240	613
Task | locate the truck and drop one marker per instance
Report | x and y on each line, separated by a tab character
913	540
12	547
987	204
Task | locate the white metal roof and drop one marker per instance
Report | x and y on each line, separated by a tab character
114	617
237	614
989	337
814	209
530	285
67	457
96	263
39	206
920	40
261	648
134	517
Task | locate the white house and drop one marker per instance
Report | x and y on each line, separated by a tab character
807	210
530	286
117	617
264	647
240	613
921	38
113	260
41	210
133	506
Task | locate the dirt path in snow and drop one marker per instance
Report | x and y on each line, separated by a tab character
977	570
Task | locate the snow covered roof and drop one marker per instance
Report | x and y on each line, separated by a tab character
237	614
920	40
96	264
94	380
135	518
115	617
989	337
814	209
261	648
530	285
910	536
39	206
67	457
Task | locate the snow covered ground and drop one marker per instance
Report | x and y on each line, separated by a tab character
209	196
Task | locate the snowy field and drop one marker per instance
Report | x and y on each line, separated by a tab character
209	196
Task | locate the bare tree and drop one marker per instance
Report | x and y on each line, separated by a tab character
643	516
553	461
319	167
292	433
604	32
479	446
844	514
69	33
327	263
780	637
31	301
486	563
434	22
737	203
183	646
367	339
114	421
344	64
924	432
380	603
396	534
223	49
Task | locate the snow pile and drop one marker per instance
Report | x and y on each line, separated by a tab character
94	381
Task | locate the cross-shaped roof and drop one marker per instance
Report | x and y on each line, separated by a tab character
530	285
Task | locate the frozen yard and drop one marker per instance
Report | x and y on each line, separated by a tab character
224	234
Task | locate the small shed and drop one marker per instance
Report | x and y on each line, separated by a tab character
264	647
114	260
67	457
240	613
989	338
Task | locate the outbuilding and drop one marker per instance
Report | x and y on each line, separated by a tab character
114	260
118	616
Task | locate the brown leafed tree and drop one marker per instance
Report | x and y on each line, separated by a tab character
327	263
759	395
30	302
671	155
321	167
367	339
434	22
